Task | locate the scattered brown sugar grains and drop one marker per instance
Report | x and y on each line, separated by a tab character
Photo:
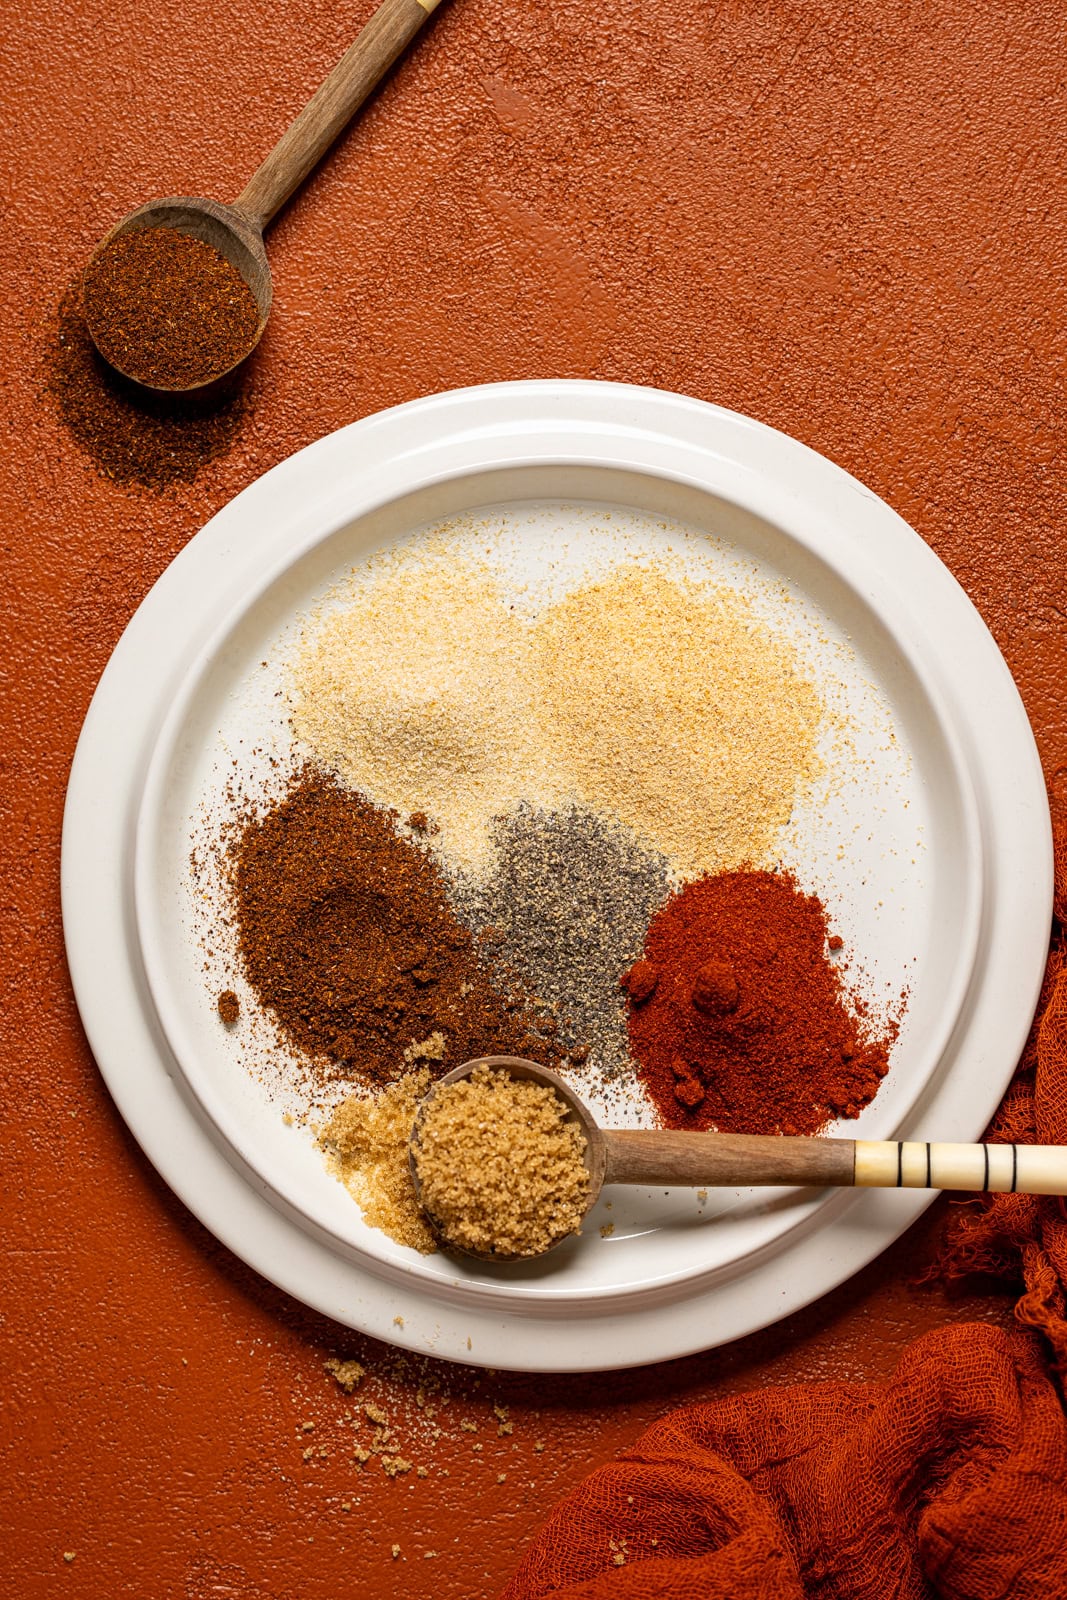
228	1007
346	1374
501	1165
168	310
366	1142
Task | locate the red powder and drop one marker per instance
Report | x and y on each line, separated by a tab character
747	1028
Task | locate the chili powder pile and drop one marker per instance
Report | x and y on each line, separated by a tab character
168	309
346	936
738	1019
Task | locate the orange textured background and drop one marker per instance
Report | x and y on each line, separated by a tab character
846	221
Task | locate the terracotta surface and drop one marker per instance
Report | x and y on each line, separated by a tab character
847	221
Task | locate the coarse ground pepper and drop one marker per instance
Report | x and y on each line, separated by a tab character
346	935
132	438
738	1017
167	309
566	905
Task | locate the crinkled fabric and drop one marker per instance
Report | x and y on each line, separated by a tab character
949	1481
1016	1237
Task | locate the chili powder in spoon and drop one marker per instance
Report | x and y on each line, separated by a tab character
167	309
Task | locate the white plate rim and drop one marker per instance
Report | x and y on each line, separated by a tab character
109	766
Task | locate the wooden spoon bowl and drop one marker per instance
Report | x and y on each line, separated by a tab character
234	235
516	1067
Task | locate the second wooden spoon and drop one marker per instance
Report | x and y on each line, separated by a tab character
236	231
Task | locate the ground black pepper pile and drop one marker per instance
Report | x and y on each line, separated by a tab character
346	935
566	909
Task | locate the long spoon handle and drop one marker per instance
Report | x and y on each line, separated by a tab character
661	1158
306	140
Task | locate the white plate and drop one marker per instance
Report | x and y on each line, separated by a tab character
897	855
972	910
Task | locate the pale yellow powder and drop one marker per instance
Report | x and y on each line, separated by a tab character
647	696
675	707
418	694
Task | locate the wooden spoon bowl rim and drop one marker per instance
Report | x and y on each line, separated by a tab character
518	1067
229	231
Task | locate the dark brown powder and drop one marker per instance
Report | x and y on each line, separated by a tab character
168	309
347	936
228	1007
130	436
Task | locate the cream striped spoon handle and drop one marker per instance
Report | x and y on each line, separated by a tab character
997	1168
661	1157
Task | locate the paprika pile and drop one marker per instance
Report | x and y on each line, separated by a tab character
738	1018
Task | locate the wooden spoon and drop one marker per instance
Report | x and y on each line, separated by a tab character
236	231
661	1158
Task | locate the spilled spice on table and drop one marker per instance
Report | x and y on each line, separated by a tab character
132	437
346	935
739	1019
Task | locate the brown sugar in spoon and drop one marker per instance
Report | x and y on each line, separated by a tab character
661	1158
236	231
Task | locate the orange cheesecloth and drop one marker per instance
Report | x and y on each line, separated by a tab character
948	1480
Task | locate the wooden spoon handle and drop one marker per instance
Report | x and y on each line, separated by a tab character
387	34
661	1158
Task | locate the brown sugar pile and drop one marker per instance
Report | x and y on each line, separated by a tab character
501	1163
366	1141
347	937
